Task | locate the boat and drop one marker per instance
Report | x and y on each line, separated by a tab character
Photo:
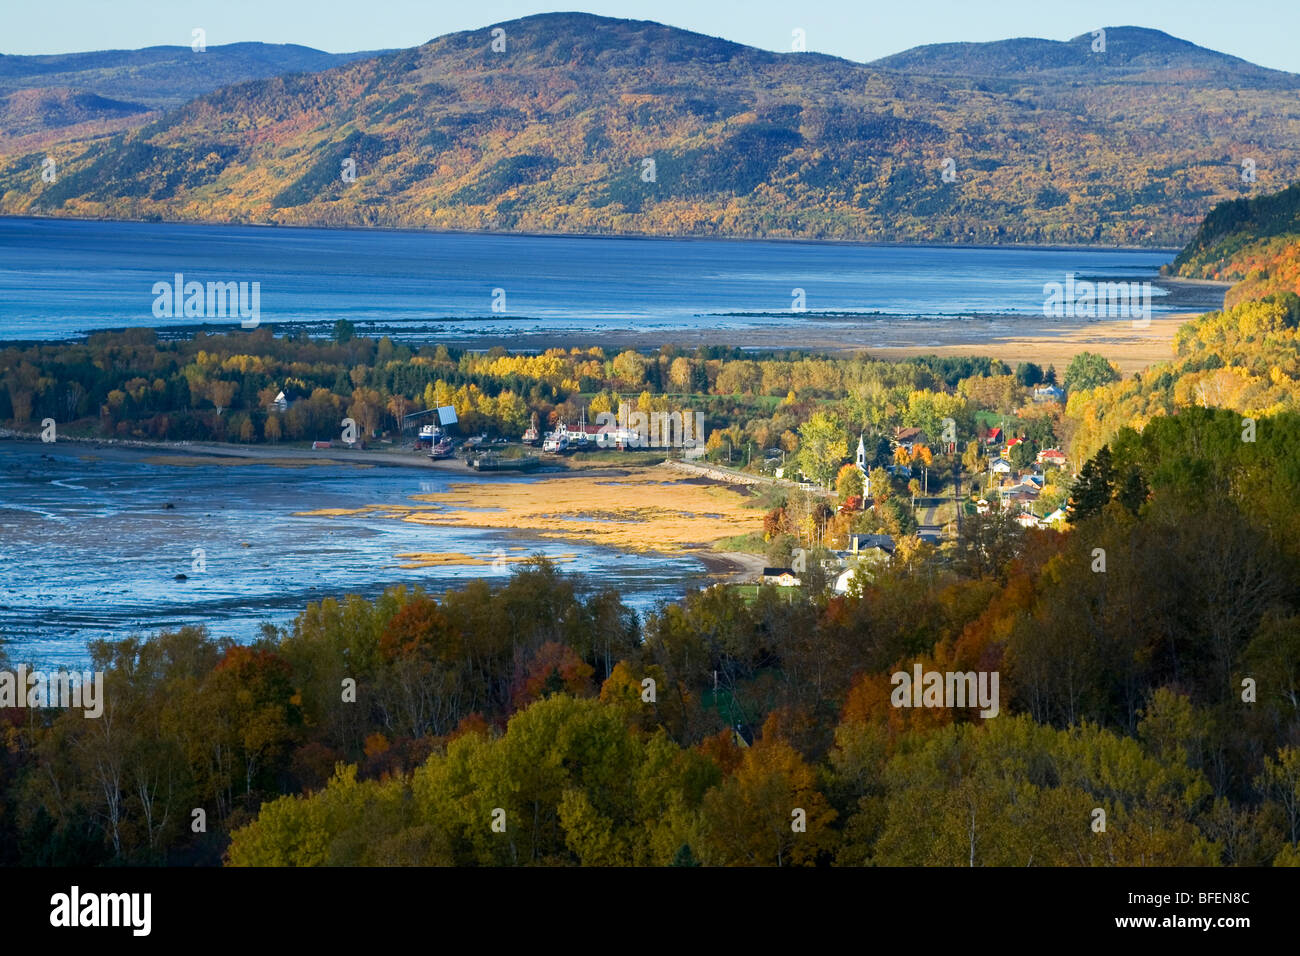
494	462
557	442
441	449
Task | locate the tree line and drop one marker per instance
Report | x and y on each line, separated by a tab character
1149	664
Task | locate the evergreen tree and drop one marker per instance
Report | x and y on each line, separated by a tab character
1134	490
1094	487
684	857
1029	374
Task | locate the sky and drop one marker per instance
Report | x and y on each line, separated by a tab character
1262	31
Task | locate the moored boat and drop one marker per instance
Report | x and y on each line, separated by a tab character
494	462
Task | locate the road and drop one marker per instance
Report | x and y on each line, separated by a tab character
928	517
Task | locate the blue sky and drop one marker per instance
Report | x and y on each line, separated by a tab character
1262	31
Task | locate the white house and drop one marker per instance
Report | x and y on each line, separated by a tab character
782	577
1053	457
844	580
1000	466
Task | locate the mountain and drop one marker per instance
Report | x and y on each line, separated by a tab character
34	111
1135	54
107	85
588	124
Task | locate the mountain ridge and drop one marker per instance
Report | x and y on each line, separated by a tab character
1135	51
146	80
596	125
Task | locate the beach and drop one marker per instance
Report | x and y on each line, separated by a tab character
102	541
1012	339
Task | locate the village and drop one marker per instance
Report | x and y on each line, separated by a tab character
1031	490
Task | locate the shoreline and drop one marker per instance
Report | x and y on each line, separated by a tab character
415	230
1012	339
1021	339
589	482
267	454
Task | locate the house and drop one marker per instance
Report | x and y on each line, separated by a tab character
875	547
281	402
844	581
1027	520
994	437
1049	393
907	437
1052	457
1000	466
781	577
982	506
1055	519
900	471
1021	491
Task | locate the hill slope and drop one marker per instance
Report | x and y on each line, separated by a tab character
109	84
587	124
1253	242
1245	357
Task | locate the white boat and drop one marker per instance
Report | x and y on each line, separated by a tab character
557	441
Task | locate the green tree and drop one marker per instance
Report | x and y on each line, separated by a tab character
1093	488
822	447
1089	370
1133	491
848	483
1023	454
1028	374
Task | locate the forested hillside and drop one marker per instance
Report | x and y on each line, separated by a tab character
699	733
576	123
79	95
1253	242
